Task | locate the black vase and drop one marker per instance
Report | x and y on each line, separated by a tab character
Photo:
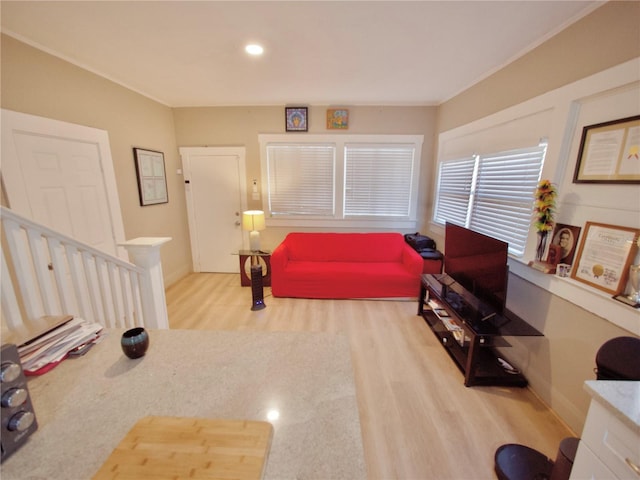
135	342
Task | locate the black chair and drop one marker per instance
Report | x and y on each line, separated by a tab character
519	462
616	359
619	359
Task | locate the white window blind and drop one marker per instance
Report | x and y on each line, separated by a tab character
503	200
301	179
378	180
340	180
491	194
455	179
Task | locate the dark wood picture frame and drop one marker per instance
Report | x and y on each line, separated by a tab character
296	119
151	175
609	152
566	237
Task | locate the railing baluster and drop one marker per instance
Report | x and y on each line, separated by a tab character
10	307
137	320
78	281
92	286
126	301
105	290
61	274
114	281
40	264
24	269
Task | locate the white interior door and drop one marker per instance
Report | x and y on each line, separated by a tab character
61	175
216	197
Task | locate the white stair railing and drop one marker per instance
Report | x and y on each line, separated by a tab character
48	273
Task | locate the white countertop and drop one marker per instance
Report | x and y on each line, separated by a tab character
85	406
620	397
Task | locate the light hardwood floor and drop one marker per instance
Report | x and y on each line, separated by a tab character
418	420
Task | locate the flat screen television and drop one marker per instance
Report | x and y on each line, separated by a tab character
478	263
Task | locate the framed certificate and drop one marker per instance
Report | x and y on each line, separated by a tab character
604	256
610	152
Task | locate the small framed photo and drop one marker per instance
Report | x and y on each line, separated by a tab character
152	180
337	119
566	237
296	119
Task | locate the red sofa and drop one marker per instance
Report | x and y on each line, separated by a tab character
345	265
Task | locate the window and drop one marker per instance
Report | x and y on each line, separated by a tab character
301	179
491	194
341	180
378	180
455	179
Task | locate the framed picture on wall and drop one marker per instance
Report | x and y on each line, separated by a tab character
609	152
296	119
152	180
337	119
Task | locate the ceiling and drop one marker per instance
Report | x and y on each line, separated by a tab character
191	53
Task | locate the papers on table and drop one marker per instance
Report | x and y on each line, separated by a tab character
53	346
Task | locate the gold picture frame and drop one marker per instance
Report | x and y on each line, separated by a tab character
604	256
609	152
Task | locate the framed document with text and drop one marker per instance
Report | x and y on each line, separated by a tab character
610	152
604	256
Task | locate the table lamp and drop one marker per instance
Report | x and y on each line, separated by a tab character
253	221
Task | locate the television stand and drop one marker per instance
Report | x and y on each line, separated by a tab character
469	330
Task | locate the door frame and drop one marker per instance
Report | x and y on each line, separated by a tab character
240	152
13	121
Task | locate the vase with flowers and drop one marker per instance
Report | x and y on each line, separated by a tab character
544	209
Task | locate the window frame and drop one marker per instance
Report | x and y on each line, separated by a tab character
516	239
342	142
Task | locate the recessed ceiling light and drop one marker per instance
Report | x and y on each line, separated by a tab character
254	49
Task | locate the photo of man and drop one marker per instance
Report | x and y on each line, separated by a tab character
566	236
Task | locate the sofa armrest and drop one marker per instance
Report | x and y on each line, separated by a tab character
412	260
280	258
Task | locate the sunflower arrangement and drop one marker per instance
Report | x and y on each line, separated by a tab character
545	206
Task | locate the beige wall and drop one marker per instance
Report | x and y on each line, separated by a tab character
606	37
558	363
234	126
39	84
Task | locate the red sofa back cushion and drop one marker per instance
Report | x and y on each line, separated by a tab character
345	247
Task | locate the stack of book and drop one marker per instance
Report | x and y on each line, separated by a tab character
59	338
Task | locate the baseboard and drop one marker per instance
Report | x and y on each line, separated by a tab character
173	277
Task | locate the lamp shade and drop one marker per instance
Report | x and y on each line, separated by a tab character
253	220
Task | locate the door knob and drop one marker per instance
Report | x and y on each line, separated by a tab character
237	223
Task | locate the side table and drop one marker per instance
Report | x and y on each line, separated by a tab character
264	259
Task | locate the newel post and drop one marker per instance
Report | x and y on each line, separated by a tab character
145	253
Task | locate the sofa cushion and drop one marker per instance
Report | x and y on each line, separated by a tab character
348	280
345	247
